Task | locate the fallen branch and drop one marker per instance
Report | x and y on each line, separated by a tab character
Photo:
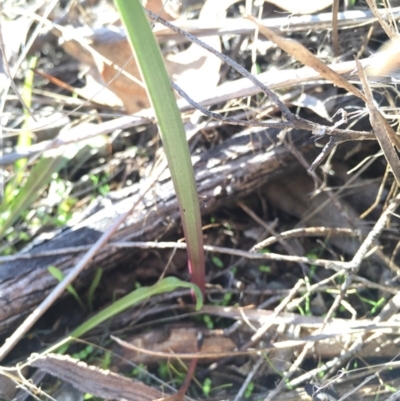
230	171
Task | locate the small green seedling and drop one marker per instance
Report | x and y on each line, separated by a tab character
93	286
208	321
249	390
207	387
84	353
59	275
106	360
265	269
217	262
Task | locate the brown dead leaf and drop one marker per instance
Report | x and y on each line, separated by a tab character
107	49
301	6
300	53
195	70
169	10
133	94
175	339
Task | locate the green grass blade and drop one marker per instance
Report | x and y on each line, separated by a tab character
24	138
59	275
93	286
139	295
156	79
36	183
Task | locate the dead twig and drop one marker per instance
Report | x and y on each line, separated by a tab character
335	32
304	232
378	15
387	138
302	54
271	95
390	308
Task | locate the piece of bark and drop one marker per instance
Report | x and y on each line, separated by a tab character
231	170
91	379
